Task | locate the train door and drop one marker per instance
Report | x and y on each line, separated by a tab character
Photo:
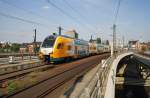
70	49
60	50
76	51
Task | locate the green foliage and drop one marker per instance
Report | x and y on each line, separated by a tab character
7	48
10	48
15	47
2	50
11	87
143	49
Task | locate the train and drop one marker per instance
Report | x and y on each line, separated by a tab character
56	48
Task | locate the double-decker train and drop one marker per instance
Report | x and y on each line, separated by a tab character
57	48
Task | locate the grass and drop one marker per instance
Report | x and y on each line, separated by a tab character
17	84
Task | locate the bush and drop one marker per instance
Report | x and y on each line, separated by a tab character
15	47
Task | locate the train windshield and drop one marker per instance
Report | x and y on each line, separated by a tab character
49	42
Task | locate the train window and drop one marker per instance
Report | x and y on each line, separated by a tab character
62	45
48	42
59	46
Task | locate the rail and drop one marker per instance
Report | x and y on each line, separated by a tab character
16	54
56	79
17	59
17	67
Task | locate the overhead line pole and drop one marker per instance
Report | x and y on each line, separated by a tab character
114	38
59	30
114	28
35	45
123	41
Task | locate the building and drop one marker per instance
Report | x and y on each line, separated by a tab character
5	44
23	49
29	47
134	45
72	34
145	46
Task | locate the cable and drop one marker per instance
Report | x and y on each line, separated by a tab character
117	11
65	13
60	9
73	8
3	1
81	15
20	8
21	19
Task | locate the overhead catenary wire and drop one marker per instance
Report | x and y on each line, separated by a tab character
76	11
90	3
28	11
66	2
23	9
36	14
23	20
67	14
51	3
114	27
117	12
20	8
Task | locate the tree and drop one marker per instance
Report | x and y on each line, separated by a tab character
2	50
15	47
7	47
98	40
143	49
0	45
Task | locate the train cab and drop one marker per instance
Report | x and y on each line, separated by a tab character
56	48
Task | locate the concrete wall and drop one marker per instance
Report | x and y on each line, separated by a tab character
110	87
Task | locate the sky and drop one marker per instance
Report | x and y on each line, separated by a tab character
87	17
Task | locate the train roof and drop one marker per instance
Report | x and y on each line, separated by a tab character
55	36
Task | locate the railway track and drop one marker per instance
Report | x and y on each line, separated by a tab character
6	69
19	73
144	54
54	80
15	54
17	60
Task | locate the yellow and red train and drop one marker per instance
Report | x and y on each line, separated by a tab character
59	48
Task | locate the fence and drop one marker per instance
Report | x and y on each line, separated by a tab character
97	86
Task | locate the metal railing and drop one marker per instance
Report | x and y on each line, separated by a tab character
97	86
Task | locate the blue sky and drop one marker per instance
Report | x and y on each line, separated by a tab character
89	17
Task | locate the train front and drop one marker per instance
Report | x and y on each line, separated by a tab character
46	48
